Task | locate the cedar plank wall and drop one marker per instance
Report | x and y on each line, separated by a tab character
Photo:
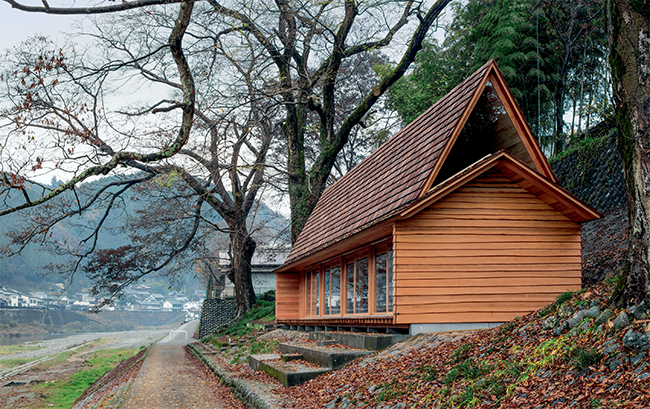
287	287
487	252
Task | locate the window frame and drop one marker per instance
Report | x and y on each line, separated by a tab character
369	251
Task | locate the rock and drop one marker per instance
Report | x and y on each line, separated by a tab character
636	340
564	311
372	388
610	349
576	319
559	329
641	311
593	312
636	359
585	326
613	364
643	376
622	320
640	369
604	317
550	322
595	302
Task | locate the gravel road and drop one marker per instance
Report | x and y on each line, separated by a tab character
122	339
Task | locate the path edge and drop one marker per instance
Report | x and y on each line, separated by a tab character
239	388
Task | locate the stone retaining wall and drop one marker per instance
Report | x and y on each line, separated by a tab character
215	313
594	174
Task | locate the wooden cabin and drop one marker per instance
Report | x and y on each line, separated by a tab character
456	222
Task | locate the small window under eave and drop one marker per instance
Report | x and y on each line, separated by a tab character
488	129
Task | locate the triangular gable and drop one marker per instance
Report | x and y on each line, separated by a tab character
518	172
493	111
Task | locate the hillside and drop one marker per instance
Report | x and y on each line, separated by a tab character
576	352
28	271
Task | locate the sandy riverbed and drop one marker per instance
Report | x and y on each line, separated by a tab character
122	339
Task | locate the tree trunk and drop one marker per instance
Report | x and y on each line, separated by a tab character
630	59
242	250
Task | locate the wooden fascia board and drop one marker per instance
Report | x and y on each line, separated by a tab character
459	127
445	190
559	194
517	118
381	230
519	168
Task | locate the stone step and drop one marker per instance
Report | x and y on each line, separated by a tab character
290	357
326	357
369	341
326	342
287	373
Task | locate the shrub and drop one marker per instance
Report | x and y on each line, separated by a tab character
268	296
584	357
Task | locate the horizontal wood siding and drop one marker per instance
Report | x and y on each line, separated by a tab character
485	253
287	287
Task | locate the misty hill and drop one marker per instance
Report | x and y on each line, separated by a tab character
28	271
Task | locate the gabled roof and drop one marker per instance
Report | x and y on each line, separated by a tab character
405	167
518	172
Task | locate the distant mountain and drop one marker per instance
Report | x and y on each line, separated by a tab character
28	271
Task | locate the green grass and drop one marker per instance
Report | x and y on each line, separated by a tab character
62	393
14	362
263	311
16	349
240	354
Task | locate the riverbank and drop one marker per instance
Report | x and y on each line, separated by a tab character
21	322
55	372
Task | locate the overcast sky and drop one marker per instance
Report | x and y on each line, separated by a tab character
17	26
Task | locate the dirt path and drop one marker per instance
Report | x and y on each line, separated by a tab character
171	377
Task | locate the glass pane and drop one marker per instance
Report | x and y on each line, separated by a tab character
349	271
380	283
335	301
389	263
361	286
308	297
326	290
317	301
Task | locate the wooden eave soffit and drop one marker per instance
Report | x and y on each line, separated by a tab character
493	74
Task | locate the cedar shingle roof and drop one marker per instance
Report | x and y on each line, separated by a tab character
390	178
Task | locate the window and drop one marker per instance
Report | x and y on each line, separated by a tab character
312	285
349	273
383	280
333	288
362	284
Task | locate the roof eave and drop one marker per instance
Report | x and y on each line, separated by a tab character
583	211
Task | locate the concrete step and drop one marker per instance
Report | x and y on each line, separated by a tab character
369	341
326	356
287	373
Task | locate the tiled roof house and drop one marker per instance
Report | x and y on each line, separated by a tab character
455	222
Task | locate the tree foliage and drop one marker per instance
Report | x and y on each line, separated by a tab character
549	52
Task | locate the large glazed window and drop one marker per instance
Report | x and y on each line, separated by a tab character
361	286
488	129
383	280
333	279
312	286
357	283
349	274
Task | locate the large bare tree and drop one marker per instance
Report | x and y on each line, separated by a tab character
307	43
630	60
59	113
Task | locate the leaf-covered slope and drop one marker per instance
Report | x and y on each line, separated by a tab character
574	353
